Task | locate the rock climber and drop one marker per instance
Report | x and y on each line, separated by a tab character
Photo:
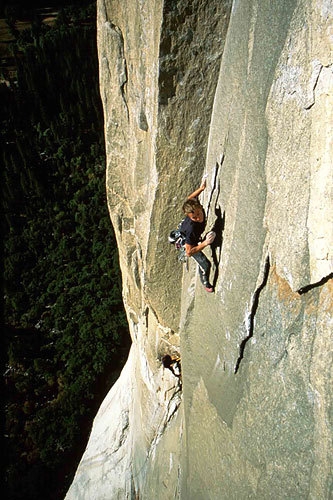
173	364
193	226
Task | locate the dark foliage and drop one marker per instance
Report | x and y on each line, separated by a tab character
65	334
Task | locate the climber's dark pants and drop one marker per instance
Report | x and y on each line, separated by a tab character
204	266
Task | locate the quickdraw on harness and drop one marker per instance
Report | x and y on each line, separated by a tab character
177	238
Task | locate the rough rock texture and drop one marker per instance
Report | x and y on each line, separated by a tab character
242	91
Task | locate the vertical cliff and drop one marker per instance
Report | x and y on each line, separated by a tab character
243	92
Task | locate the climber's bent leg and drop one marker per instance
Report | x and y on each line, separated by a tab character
204	267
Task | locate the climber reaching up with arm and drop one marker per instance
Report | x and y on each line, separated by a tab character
198	191
193	226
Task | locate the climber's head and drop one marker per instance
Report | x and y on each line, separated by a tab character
167	361
193	209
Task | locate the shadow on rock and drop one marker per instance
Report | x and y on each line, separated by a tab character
216	246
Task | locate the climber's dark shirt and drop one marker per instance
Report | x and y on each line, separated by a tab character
192	230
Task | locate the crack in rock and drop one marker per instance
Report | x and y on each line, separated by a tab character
254	307
121	62
171	411
314	81
214	182
322	282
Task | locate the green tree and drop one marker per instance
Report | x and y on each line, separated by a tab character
66	335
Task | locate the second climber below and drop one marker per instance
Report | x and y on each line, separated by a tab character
193	226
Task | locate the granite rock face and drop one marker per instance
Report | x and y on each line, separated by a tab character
243	92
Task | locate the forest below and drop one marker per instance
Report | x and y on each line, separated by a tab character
65	335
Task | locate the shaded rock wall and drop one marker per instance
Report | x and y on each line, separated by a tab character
243	93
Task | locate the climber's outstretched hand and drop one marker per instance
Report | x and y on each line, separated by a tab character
199	190
210	237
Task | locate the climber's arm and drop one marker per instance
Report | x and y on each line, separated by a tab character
192	249
198	191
